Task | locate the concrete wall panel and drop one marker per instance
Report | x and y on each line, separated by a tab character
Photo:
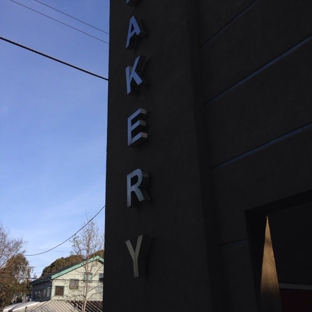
266	31
215	15
276	172
178	275
272	103
240	294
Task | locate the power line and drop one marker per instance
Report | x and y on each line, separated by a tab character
72	17
67	238
59	21
52	58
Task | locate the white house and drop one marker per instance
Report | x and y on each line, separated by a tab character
78	282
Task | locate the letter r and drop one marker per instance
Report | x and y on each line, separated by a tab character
137	181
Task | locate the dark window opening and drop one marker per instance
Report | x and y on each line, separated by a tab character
87	277
74	284
101	277
291	233
59	290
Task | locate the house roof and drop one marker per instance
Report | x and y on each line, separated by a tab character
54	275
55	306
14	306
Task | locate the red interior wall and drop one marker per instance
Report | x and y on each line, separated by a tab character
296	300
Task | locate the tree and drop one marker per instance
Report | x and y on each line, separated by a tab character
88	244
9	247
61	263
13	267
14	278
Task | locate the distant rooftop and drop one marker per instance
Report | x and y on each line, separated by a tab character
55	306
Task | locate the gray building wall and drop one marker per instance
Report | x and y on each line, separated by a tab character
229	124
256	84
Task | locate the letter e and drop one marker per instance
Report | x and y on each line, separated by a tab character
137	124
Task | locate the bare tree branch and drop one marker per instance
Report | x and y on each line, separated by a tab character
88	244
9	247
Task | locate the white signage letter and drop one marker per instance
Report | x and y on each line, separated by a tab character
137	181
135	31
139	254
137	124
134	74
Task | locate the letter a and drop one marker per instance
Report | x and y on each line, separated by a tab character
137	188
135	31
134	75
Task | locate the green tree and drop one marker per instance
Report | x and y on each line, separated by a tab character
62	263
12	266
66	262
14	280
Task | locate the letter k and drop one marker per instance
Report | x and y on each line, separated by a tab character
134	76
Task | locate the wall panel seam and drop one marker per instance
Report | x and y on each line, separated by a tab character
259	70
264	146
202	46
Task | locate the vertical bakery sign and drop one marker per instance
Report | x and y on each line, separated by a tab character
137	180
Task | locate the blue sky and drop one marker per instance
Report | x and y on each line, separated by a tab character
52	122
